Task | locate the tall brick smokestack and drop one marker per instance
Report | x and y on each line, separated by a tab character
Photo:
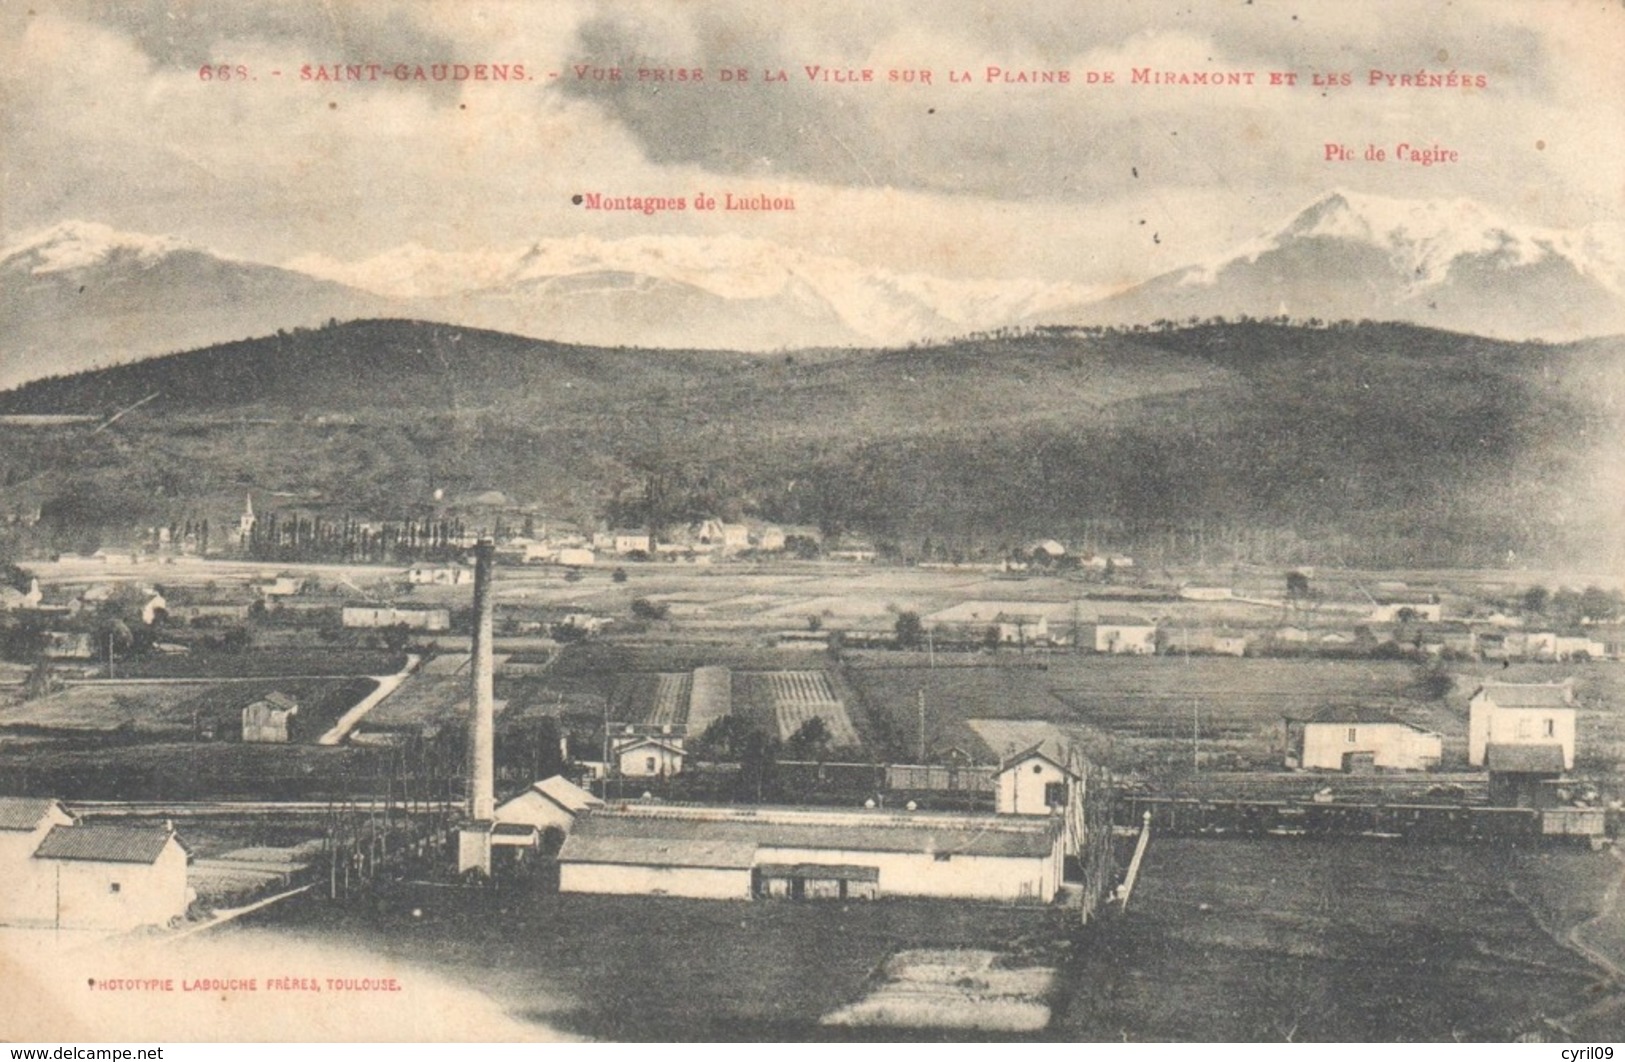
481	721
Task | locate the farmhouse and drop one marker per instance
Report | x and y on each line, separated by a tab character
1521	714
552	803
418	619
270	719
1354	738
648	757
1125	634
744	852
60	873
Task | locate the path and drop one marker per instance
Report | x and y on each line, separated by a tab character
387	684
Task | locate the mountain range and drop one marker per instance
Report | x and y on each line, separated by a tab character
81	295
1364	444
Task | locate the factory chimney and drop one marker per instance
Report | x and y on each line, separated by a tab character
481	723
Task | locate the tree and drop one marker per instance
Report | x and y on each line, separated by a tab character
1598	605
909	631
618	575
811	741
814	622
1535	599
645	609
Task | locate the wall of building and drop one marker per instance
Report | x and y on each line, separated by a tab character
25	887
634	762
533	809
704	883
85	897
1021	787
1394	746
1488	725
967	877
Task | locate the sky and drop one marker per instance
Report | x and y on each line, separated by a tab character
108	120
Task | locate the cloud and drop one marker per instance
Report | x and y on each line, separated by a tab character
107	120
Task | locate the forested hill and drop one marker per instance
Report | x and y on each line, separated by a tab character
1379	443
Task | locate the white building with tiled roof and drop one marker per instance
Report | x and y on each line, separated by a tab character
63	874
1521	714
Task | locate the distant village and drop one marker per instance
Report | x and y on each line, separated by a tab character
754	713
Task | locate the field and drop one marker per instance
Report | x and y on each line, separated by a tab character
1149	714
1310	941
147	708
1225	940
106	769
309	662
424	700
802	696
715	971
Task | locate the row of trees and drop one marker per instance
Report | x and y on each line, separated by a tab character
297	537
1570	607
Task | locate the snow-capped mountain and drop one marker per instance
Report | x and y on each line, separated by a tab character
1444	263
781	296
80	295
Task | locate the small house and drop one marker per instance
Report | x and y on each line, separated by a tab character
1035	781
1355	738
551	803
649	757
270	719
1125	634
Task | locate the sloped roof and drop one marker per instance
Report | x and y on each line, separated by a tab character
1123	621
1527	694
23	813
1524	759
725	851
1053	749
613	837
1360	714
566	794
104	844
642	742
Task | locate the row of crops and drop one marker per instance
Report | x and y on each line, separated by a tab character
801	696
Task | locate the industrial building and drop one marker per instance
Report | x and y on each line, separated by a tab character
744	852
